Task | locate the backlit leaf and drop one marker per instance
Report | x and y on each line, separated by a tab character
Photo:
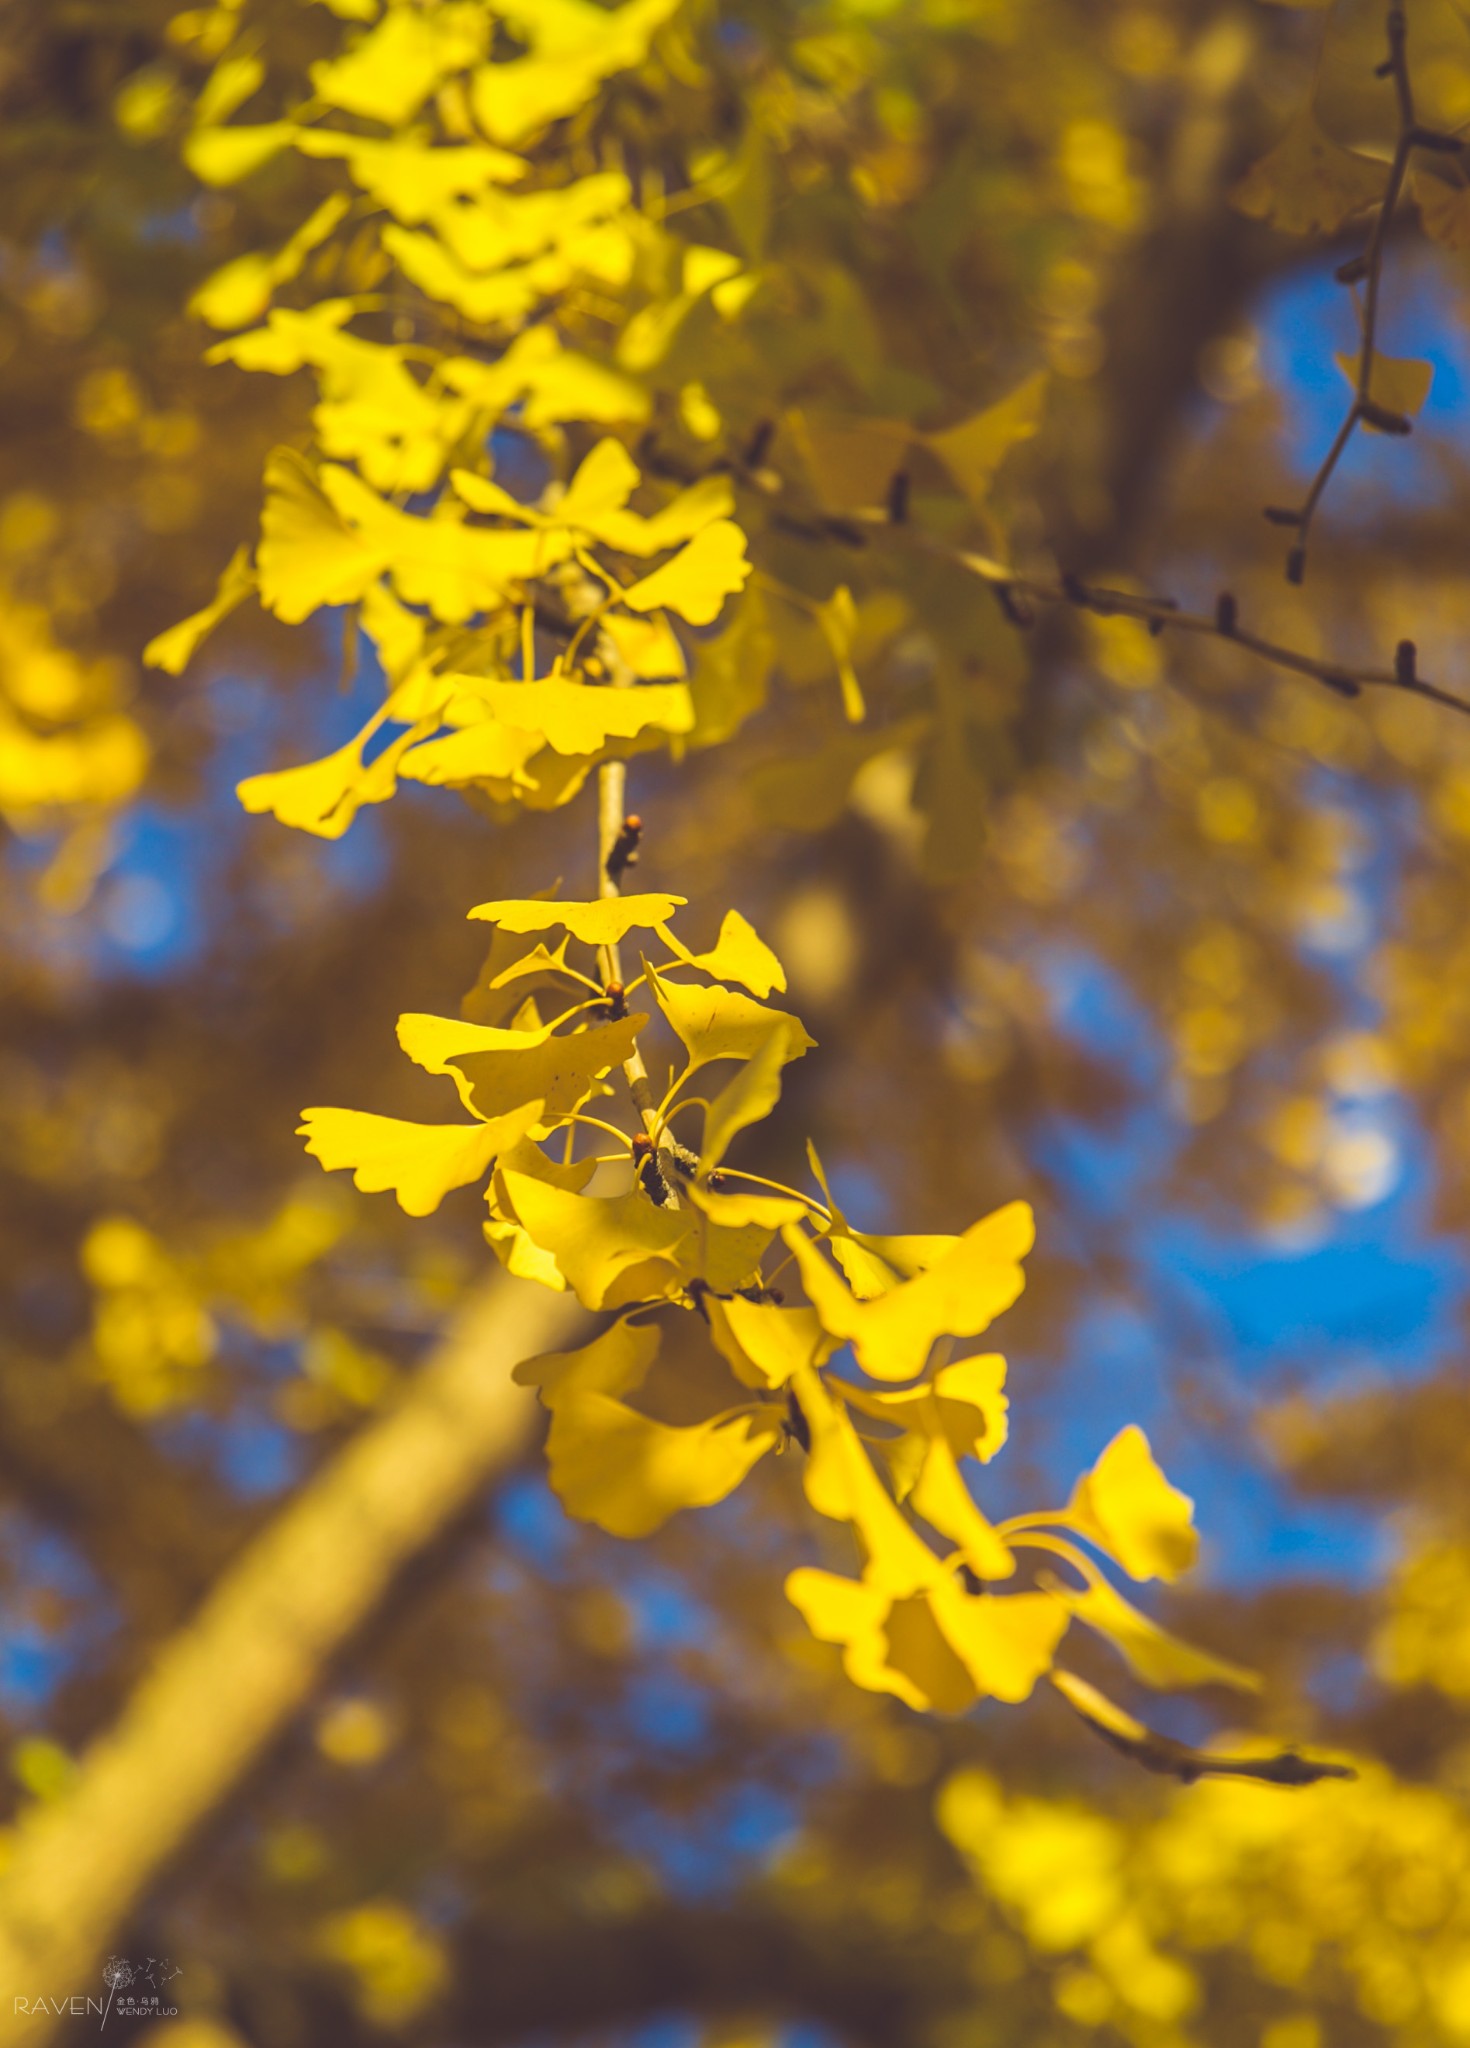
627	1474
1399	383
308	555
497	1070
419	1162
973	451
1307	185
959	1296
597	1241
719	1024
739	954
596	924
700	577
1127	1506
578	718
389	72
941	1496
615	1363
750	1096
1152	1653
172	651
764	1343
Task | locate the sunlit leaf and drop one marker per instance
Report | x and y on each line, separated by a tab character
719	1024
1127	1506
942	1498
174	650
739	954
763	1343
627	1474
419	1162
615	1363
1400	384
747	1099
596	924
700	577
576	718
959	1296
497	1070
598	1241
1152	1653
308	555
388	74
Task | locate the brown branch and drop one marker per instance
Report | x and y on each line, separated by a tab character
1367	269
230	1681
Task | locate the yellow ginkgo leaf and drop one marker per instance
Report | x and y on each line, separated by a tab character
241	290
738	954
647	647
1151	1653
497	1070
595	924
750	1096
852	1613
515	1249
1127	1507
763	1343
172	651
615	1363
227	88
1308	185
695	584
419	1162
223	156
453	569
719	1024
308	555
573	47
396	632
973	451
837	622
840	1482
388	74
484	752
627	1474
737	1210
612	1249
963	1404
323	797
867	1274
959	1296
1006	1642
917	1649
633	533
941	1496
605	480
413	180
579	718
1400	384
725	1258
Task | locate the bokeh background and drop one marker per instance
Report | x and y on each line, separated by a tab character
1173	949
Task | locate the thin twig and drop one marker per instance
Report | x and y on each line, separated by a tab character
1367	270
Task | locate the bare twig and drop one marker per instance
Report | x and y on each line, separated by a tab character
1367	270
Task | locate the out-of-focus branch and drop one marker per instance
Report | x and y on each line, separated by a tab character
230	1681
1367	270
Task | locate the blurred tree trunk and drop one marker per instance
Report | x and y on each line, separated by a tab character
231	1680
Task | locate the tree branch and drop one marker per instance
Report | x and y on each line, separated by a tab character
229	1683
